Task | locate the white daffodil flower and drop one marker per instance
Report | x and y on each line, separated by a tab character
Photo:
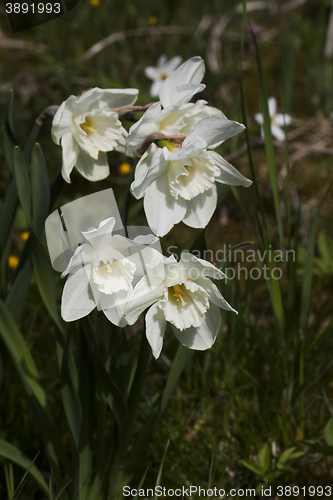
277	120
173	114
164	69
178	180
102	273
184	296
87	127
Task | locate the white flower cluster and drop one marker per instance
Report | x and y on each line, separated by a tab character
123	277
176	175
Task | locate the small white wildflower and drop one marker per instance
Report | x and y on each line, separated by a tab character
277	120
161	72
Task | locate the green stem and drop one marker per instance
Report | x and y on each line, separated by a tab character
128	197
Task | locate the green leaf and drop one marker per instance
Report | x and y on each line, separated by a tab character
325	246
20	355
140	484
70	398
272	475
136	387
159	475
329	432
8	212
31	141
10	452
22	180
234	249
181	359
16	298
109	389
308	268
289	455
252	467
9	140
40	190
45	279
128	197
264	457
123	368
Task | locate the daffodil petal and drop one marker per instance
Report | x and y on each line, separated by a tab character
190	72
197	143
101	237
154	165
70	153
113	307
205	269
147	291
143	128
173	64
77	297
202	337
214	131
155	328
62	120
83	255
228	174
200	209
162	210
97	98
93	170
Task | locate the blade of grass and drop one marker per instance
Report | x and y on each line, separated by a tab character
269	142
10	452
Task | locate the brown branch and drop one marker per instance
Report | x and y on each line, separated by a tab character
121	35
295	146
7	43
123	110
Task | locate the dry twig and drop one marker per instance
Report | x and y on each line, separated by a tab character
122	35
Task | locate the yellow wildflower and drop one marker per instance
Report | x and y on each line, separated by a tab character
152	20
25	235
124	168
13	261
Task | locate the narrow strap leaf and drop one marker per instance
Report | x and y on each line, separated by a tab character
10	452
8	212
40	190
70	397
45	279
20	355
23	184
9	140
